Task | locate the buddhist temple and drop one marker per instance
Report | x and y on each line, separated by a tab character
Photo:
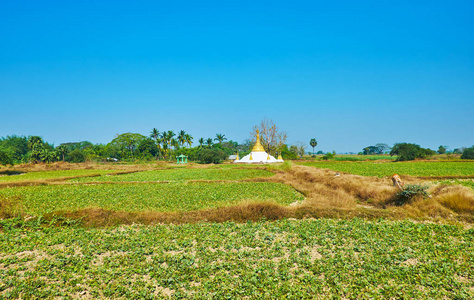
258	155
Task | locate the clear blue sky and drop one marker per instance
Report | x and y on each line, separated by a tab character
348	73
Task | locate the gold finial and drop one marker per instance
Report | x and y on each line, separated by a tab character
237	157
268	157
279	157
258	147
250	156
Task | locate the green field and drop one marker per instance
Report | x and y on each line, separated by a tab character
39	200
424	168
182	175
467	182
293	259
53	174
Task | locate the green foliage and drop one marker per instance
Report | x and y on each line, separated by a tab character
126	144
442	149
468	153
299	259
407	151
6	156
182	174
410	192
289	154
18	144
313	143
38	200
76	156
208	156
328	156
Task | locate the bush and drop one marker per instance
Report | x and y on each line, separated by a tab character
328	156
6	156
407	151
209	156
76	156
410	192
468	153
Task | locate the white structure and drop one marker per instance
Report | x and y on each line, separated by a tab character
258	155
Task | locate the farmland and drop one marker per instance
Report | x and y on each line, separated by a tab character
422	169
39	200
183	175
301	233
289	258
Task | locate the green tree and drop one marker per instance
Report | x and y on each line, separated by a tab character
201	142
209	142
468	153
209	156
127	141
189	139
76	156
155	134
220	137
407	151
442	149
313	143
6	156
62	150
33	140
182	137
18	144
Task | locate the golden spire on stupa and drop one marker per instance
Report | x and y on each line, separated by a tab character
258	147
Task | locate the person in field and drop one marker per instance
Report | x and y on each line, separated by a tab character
397	181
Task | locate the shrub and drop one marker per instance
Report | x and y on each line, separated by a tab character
208	156
328	156
410	192
76	156
468	153
6	156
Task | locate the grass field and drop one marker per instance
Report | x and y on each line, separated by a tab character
182	175
293	259
423	168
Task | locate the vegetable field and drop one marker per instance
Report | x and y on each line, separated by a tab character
294	259
182	175
39	200
53	174
424	168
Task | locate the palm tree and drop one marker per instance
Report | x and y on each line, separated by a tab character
62	150
189	139
313	143
209	142
201	142
220	138
155	133
174	143
182	137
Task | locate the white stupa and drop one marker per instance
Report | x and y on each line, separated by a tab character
258	155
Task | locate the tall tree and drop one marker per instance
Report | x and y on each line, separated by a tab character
220	137
209	142
155	134
201	142
272	138
189	139
33	140
62	150
313	143
182	137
